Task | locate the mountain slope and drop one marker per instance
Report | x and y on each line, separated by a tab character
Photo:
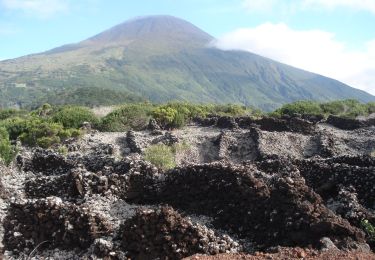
164	58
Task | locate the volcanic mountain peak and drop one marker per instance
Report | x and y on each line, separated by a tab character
153	27
163	58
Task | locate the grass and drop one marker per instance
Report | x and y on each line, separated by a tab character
160	155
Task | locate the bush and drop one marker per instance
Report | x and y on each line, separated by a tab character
37	131
300	107
43	133
370	107
14	126
161	156
369	229
8	113
74	116
177	115
164	116
347	108
47	141
7	151
229	110
127	117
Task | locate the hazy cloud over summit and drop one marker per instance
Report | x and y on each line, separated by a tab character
313	50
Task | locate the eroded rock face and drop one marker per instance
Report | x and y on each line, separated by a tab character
165	234
53	223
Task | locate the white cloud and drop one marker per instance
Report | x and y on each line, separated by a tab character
40	8
259	5
313	50
293	5
368	5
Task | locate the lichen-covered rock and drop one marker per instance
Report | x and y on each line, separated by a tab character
165	234
51	223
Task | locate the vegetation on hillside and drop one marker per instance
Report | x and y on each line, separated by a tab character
34	97
349	108
168	116
74	116
159	67
7	151
127	117
44	127
50	125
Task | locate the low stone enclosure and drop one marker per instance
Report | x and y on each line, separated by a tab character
248	188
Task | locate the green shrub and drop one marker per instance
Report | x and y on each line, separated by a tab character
7	151
43	111
75	133
177	115
300	107
14	126
8	113
34	130
229	110
161	156
370	107
347	108
74	116
47	141
127	117
164	115
42	133
369	229
63	150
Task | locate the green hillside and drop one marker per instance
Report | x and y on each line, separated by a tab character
162	58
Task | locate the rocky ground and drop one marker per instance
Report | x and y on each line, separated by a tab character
287	188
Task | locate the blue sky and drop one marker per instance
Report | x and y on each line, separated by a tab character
335	38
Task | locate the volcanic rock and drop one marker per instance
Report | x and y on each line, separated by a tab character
165	234
254	205
52	223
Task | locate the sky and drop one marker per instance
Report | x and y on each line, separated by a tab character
335	38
